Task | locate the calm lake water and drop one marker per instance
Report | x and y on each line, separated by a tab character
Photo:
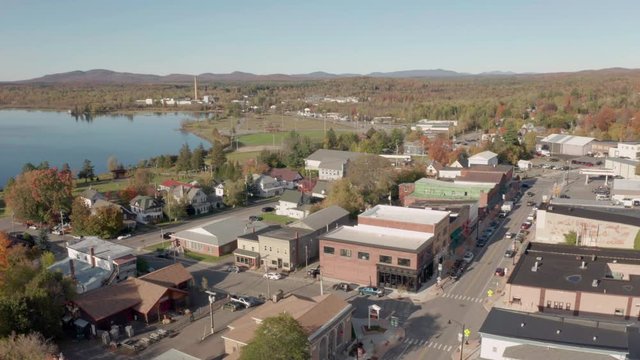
57	137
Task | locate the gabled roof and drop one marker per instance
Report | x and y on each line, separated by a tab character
91	194
487	178
567	139
285	174
322	218
485	155
291	196
322	187
173	183
463	162
144	202
169	276
436	165
221	231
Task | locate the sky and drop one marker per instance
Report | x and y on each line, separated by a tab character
300	36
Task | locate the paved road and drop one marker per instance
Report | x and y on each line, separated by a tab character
432	331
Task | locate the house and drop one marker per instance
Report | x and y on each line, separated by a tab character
454	169
594	226
93	263
95	200
321	189
168	185
484	158
525	165
217	237
510	334
146	208
433	169
90	196
219	189
460	163
326	319
391	246
281	246
560	144
330	164
195	198
576	281
630	150
626	168
147	297
266	186
414	148
289	179
291	205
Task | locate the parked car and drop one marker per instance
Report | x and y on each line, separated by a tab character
468	257
526	225
253	218
509	235
530	203
246	301
342	286
267	209
565	196
509	253
233	269
314	271
233	306
371	290
125	236
500	272
272	276
167	235
530	194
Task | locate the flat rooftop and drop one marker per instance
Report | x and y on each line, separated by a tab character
381	237
559	267
610	214
404	214
102	249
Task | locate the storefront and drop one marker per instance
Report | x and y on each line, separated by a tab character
247	258
400	278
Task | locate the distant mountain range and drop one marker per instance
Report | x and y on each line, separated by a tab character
101	76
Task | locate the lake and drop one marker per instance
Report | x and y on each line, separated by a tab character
58	137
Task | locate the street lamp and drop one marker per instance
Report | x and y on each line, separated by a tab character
463	336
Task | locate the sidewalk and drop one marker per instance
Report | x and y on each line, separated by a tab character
375	344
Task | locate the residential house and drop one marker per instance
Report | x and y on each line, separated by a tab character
93	263
216	238
594	226
146	208
454	169
321	189
219	189
510	334
330	164
560	144
95	200
147	297
266	186
325	319
576	280
195	198
90	196
433	169
391	247
289	179
484	158
291	204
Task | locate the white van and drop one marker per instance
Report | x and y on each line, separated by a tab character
603	197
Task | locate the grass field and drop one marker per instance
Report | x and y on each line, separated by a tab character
275	139
277	219
242	156
202	257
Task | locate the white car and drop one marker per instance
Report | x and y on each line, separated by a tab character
468	257
272	276
122	237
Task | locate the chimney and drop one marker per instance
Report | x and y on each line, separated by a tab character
72	269
93	259
195	87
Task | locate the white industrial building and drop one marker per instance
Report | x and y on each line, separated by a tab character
484	158
626	150
626	168
560	144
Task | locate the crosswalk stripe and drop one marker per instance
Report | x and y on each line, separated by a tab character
449	348
430	344
439	345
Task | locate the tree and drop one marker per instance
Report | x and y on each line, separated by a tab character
112	163
141	181
217	156
197	158
40	195
87	171
42	241
530	142
372	176
107	222
235	193
571	238
278	338
28	167
330	139
80	217
65	168
345	195
174	209
184	159
5	243
439	150
26	346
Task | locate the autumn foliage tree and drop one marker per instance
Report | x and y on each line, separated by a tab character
40	195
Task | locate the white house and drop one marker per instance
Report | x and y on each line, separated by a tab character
219	189
291	205
147	209
433	169
330	164
484	158
266	186
525	164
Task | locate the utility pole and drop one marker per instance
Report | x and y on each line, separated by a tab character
306	256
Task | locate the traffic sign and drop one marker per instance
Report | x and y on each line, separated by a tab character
489	293
467	333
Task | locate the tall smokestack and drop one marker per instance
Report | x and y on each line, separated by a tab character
195	87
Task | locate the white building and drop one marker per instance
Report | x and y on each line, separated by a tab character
330	164
560	144
525	164
626	168
626	150
626	189
484	158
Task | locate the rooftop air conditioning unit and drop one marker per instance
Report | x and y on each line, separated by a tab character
595	283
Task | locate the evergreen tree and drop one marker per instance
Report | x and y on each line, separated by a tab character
217	156
184	159
197	158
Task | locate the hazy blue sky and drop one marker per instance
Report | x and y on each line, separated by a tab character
299	36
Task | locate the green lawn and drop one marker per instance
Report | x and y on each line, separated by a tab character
202	257
276	138
277	219
242	156
161	246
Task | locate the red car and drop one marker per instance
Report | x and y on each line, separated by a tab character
525	225
500	272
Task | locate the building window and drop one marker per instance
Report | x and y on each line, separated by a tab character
265	248
555	304
385	259
619	312
269	248
363	255
548	304
345	252
243	247
329	250
568	306
404	262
